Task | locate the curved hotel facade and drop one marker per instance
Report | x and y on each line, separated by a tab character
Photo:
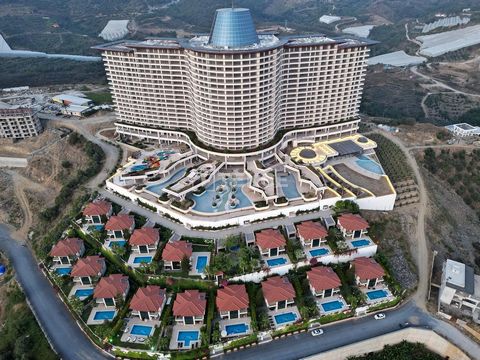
234	88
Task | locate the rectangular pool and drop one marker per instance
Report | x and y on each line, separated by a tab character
104	315
187	336
141	330
201	263
142	260
285	318
276	262
63	270
360	243
377	294
81	293
235	329
117	242
332	306
318	252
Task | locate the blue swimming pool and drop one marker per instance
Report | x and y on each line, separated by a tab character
188	336
285	318
117	242
63	270
377	294
332	306
138	167
360	243
95	227
104	315
235	329
142	260
83	292
201	263
370	165
318	252
141	330
157	188
276	262
289	186
204	202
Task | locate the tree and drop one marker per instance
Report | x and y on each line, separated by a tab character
76	304
185	265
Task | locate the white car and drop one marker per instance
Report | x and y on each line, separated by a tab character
317	332
380	316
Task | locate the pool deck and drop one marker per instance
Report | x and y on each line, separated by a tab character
176	329
289	309
340	298
243	320
137	339
307	250
194	258
91	318
371	302
134	255
107	242
79	287
283	256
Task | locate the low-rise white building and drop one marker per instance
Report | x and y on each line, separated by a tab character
463	129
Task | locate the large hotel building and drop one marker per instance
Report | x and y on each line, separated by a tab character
235	89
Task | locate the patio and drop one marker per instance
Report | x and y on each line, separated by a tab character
332	305
185	337
138	331
284	317
233	327
199	261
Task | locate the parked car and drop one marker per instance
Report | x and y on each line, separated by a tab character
379	316
317	332
404	325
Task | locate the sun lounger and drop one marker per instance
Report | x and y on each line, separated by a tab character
141	339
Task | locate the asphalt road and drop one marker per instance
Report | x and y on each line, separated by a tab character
65	335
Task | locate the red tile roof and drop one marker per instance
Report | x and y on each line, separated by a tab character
97	208
323	278
88	266
367	268
119	222
144	236
190	303
111	286
310	230
67	247
232	297
148	298
177	250
277	288
351	222
269	239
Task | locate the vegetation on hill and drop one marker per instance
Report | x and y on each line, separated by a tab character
402	351
472	117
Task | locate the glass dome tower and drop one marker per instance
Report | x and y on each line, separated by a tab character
233	27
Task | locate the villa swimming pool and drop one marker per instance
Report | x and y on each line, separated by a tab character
235	329
95	227
284	318
276	262
201	264
289	187
142	260
187	337
120	243
141	330
360	243
63	270
377	294
204	202
82	293
332	306
370	165
157	188
318	252
104	315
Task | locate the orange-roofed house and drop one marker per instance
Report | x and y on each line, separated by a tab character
66	251
87	270
232	302
120	226
111	288
97	212
148	302
189	307
270	242
352	226
174	252
311	234
144	240
368	272
324	282
278	292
